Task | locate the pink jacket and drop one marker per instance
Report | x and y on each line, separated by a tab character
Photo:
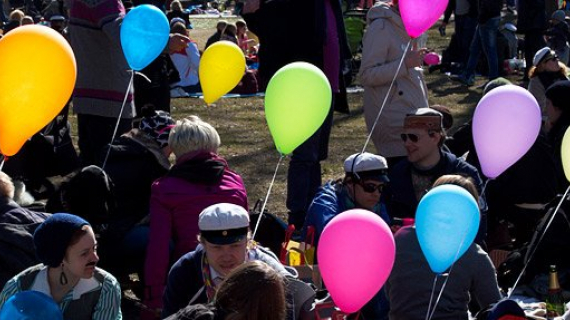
198	180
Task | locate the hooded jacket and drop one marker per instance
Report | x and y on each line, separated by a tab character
383	46
197	180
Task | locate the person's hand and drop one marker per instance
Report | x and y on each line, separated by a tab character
414	58
177	42
250	6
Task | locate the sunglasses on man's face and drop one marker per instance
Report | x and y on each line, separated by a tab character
553	58
413	137
371	187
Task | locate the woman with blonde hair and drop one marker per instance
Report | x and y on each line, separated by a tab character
546	70
200	178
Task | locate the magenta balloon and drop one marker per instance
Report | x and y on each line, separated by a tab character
356	253
505	125
431	59
419	15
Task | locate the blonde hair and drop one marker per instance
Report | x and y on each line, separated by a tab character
17	15
193	134
535	70
176	6
466	183
6	186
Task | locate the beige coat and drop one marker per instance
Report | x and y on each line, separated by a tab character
383	46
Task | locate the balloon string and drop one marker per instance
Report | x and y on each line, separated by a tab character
386	97
267	195
2	163
119	119
538	242
431	296
440	292
448	274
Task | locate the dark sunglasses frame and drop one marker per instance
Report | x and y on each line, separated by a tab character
412	136
370	188
554	57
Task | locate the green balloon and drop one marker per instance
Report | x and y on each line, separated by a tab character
297	101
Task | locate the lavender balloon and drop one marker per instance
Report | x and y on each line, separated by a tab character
505	125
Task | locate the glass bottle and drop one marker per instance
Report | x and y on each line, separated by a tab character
554	301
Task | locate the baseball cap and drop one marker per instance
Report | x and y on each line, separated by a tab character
223	223
367	166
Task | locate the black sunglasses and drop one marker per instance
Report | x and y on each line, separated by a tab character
413	137
371	187
554	57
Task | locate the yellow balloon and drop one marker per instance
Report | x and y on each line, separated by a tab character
37	76
221	68
565	153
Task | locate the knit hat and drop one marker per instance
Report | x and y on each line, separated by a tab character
156	124
223	223
495	83
559	15
558	93
542	55
52	237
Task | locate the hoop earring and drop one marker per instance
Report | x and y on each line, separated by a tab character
62	277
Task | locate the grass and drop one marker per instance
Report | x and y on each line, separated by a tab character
248	146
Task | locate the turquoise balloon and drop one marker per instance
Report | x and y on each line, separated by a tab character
30	305
447	220
144	35
297	101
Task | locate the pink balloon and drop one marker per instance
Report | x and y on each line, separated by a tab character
505	125
431	58
356	254
419	15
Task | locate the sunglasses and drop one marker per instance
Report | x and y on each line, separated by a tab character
371	187
553	58
413	137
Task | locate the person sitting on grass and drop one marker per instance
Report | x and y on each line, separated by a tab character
225	244
67	248
253	290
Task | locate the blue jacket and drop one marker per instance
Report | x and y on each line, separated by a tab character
332	199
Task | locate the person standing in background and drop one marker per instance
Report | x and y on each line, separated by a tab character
323	44
384	44
531	22
102	74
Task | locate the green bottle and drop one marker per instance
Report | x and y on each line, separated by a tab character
554	301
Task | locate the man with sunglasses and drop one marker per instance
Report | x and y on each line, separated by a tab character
423	137
366	175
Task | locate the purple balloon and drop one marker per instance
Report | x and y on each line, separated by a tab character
505	125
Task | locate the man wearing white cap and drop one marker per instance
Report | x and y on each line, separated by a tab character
366	174
224	245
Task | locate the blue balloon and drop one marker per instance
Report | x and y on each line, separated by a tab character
144	35
30	305
447	220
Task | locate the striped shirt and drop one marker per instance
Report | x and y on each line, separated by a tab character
108	306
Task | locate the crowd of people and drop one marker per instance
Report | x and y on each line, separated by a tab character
184	227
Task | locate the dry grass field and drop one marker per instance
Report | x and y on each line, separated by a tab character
249	148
